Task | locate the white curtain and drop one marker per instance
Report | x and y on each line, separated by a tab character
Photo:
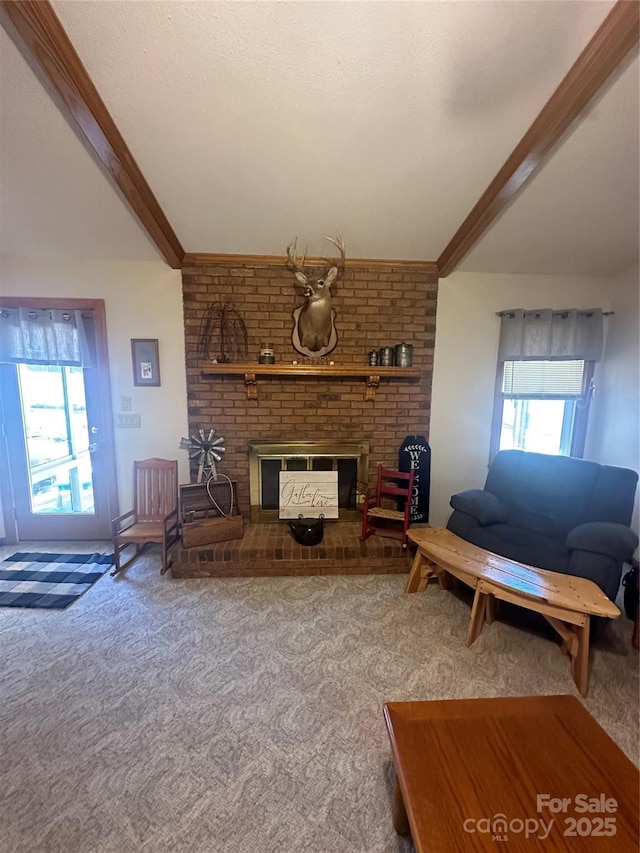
43	337
544	334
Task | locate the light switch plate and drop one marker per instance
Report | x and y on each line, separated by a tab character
128	421
125	404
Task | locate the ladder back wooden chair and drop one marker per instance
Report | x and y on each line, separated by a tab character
391	486
154	517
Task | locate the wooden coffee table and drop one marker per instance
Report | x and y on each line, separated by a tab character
517	774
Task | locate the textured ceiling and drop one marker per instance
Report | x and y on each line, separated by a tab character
256	122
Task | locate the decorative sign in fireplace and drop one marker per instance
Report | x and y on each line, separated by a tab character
312	494
267	459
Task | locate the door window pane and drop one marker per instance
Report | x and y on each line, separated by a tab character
77	409
57	438
45	422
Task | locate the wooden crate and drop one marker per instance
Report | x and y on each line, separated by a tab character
206	531
195	503
202	523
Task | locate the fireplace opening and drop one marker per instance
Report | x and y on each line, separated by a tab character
268	459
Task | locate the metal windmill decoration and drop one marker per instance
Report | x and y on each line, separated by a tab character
206	450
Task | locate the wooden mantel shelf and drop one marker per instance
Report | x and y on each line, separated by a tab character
251	371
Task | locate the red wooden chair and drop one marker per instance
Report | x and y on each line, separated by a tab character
391	486
154	517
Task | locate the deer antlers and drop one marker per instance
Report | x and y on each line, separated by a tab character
296	263
338	242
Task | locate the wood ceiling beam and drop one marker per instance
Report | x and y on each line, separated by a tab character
593	69
385	264
38	34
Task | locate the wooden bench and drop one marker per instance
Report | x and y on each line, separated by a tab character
566	602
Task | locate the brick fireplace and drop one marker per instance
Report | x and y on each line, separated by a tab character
377	303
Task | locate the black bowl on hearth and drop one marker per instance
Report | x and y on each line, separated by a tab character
307	531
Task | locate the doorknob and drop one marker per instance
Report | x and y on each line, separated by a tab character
94	430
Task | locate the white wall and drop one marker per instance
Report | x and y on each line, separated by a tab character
142	300
614	420
465	367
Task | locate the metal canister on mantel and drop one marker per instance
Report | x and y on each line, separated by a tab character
403	355
386	357
266	355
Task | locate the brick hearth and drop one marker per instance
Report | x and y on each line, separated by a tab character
270	550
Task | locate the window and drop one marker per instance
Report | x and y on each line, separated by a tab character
542	406
57	438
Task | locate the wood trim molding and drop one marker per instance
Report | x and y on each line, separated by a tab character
38	34
6	486
48	303
201	258
610	45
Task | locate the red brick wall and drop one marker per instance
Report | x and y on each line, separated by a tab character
376	305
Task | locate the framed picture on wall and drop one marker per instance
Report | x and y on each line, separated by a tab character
146	361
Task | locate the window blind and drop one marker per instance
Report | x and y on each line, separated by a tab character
528	379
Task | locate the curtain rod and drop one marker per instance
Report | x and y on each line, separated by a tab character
555	313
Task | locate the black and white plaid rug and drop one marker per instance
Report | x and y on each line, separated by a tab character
50	581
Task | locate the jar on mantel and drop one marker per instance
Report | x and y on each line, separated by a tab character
385	358
267	355
403	355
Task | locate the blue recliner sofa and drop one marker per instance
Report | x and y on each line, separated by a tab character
553	512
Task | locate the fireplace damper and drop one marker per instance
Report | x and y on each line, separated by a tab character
267	459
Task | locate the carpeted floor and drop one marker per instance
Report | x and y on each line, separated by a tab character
238	715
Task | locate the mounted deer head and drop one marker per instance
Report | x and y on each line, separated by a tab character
314	332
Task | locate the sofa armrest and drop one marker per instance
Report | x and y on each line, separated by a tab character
604	537
484	506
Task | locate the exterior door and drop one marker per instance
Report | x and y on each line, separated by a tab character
59	441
